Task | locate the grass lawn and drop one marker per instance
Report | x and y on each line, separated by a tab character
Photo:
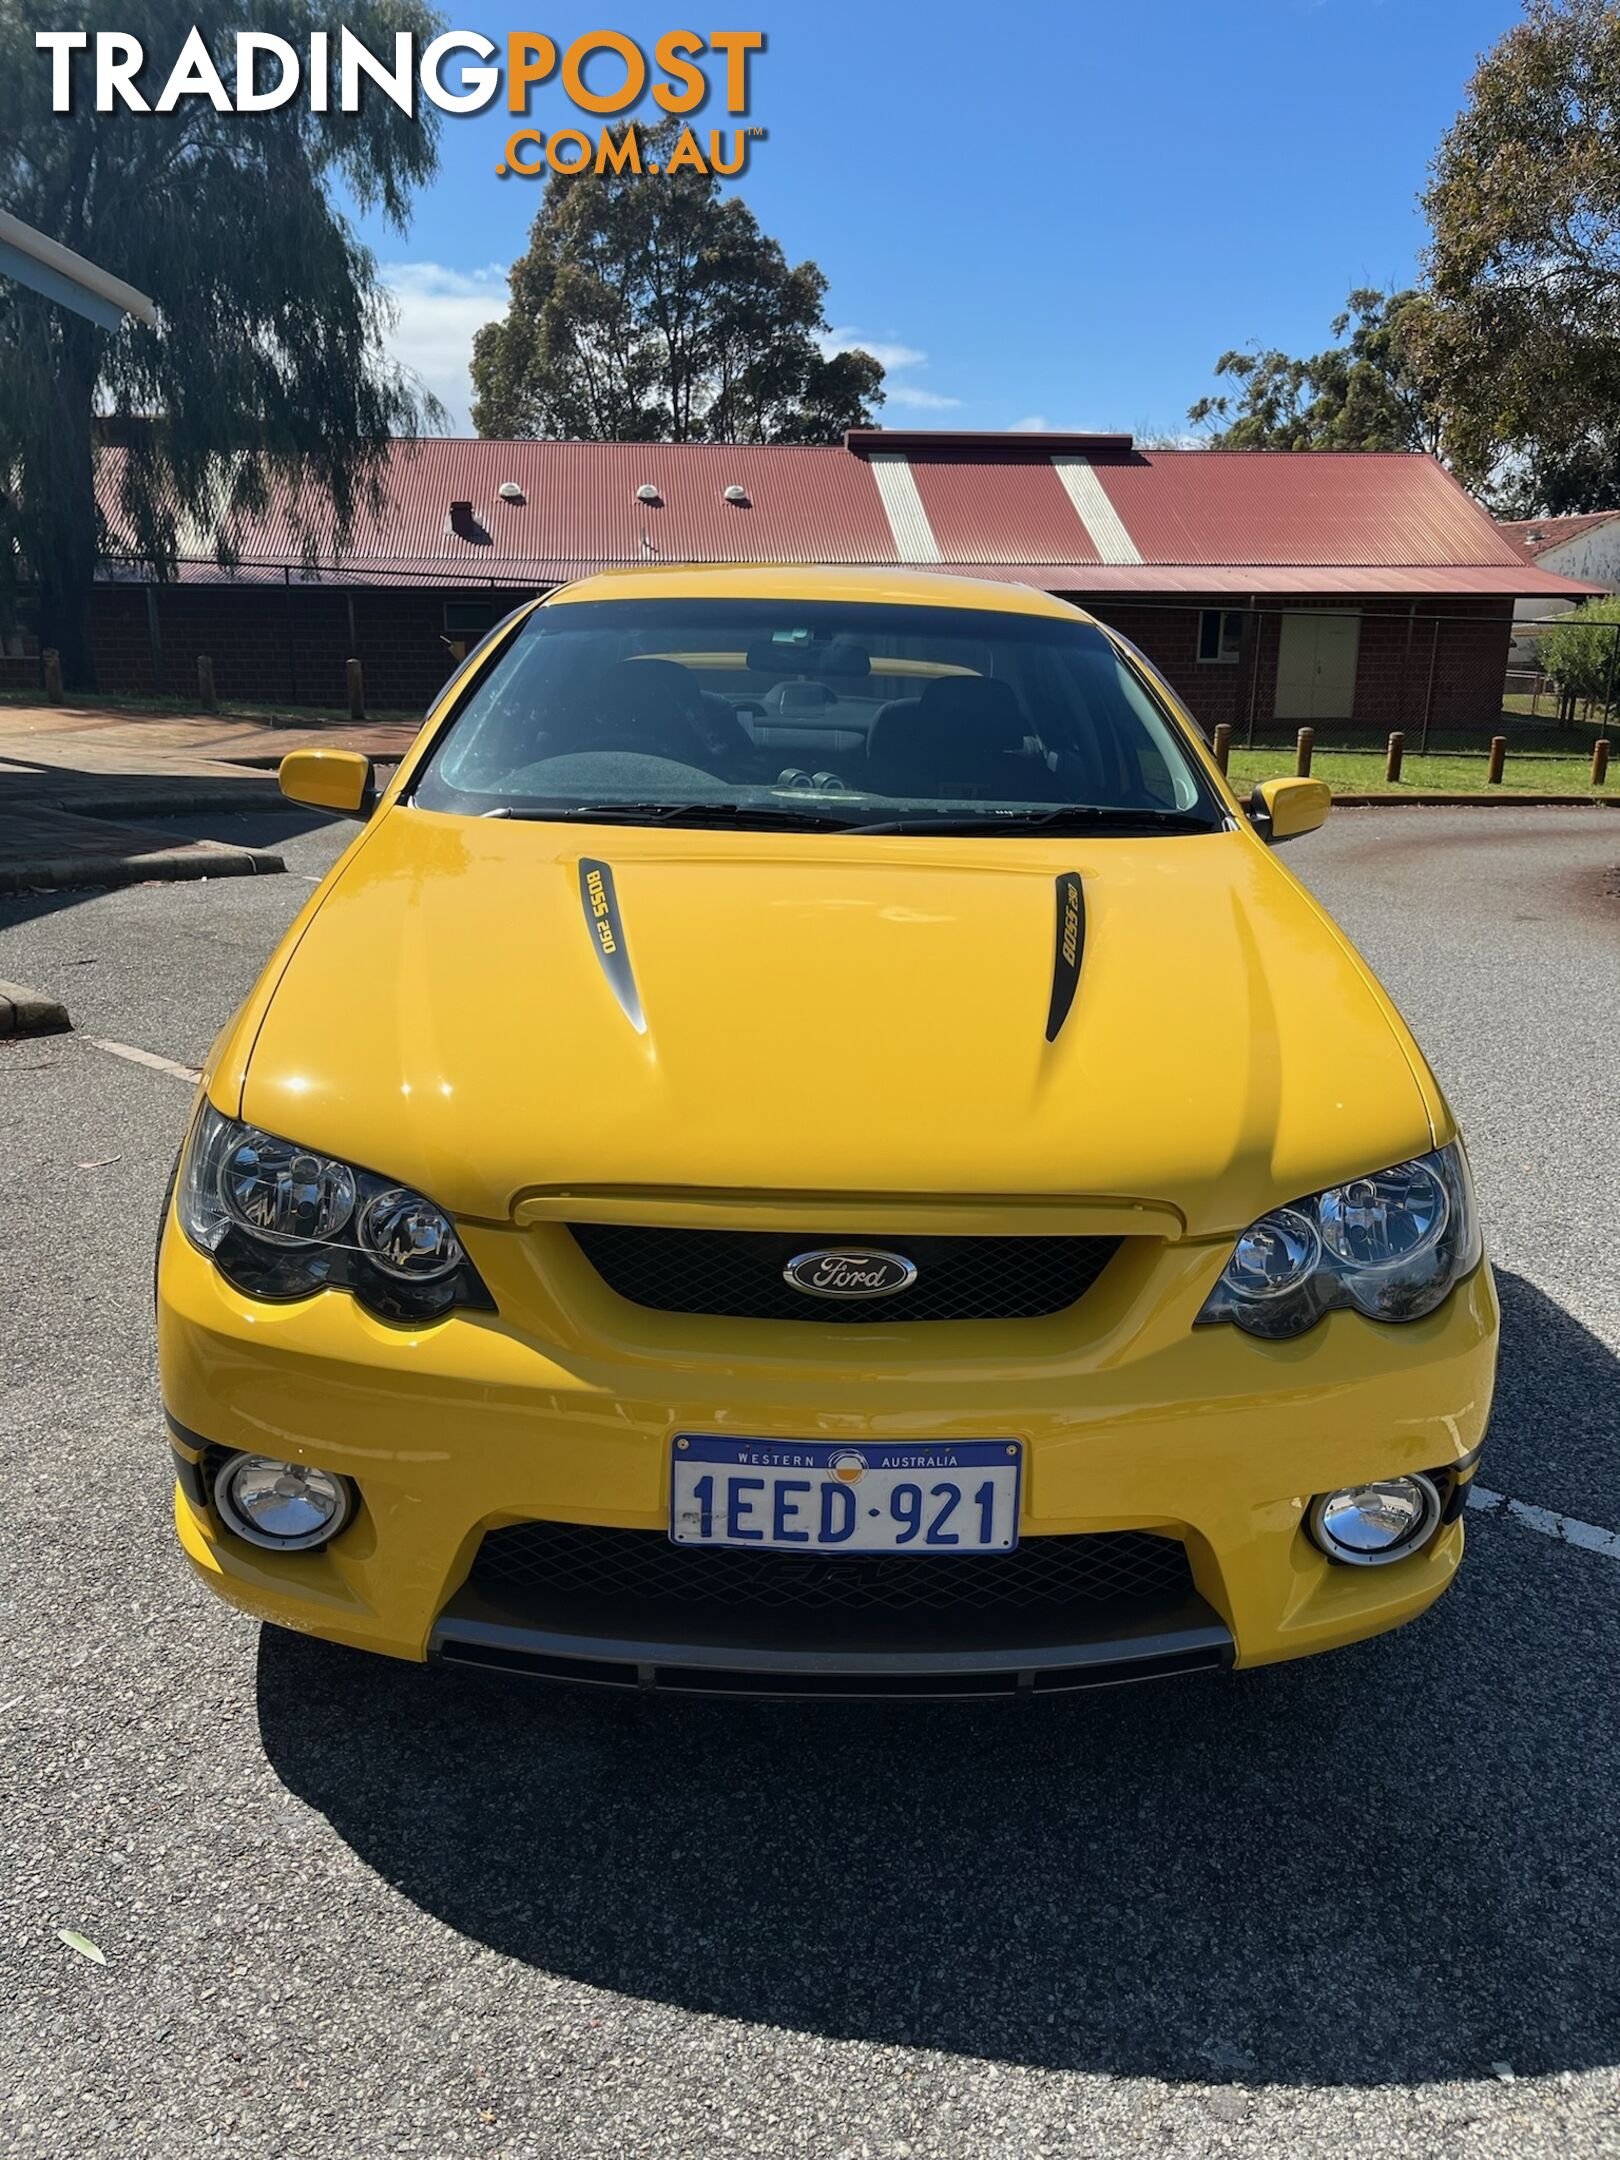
1524	705
1355	772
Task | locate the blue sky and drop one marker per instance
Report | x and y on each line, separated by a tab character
1038	213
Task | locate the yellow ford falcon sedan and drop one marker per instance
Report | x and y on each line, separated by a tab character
811	1146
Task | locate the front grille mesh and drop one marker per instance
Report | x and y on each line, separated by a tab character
568	1562
738	1274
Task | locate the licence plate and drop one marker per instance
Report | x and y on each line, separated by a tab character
822	1496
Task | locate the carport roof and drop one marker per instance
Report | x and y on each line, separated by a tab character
1071	513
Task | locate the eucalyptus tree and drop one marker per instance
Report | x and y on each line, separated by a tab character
1369	390
650	307
1524	265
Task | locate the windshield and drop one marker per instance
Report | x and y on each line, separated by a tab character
823	715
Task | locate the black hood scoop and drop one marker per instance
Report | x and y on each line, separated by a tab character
606	926
1071	943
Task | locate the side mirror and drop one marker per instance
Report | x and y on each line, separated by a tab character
1281	810
340	780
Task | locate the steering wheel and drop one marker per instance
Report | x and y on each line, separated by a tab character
652	708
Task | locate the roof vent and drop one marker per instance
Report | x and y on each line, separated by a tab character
736	494
647	493
509	491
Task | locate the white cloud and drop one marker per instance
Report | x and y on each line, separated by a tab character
1032	424
439	310
894	359
904	393
887	355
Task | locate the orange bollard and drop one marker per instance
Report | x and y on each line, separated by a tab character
1493	775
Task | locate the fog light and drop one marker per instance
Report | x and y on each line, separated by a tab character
287	1507
1367	1525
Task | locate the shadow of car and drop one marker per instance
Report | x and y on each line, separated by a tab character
1395	1865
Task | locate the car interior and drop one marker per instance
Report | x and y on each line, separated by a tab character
826	714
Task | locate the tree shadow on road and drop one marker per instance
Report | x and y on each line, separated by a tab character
1397	1864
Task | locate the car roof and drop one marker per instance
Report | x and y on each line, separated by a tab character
881	586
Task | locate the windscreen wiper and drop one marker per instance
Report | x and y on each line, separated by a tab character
1072	818
666	813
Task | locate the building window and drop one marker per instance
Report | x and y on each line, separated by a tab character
1220	634
471	618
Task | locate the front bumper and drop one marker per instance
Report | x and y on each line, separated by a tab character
1131	1419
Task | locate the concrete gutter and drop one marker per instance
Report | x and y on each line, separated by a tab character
55	850
30	1012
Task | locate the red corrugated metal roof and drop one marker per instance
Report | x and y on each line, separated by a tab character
1531	537
1000	509
580	500
1336	506
1202	521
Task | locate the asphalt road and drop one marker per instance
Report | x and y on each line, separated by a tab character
349	1908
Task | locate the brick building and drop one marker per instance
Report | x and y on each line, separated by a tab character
1351	590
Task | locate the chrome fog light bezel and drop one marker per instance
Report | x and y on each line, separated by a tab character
242	1525
1410	1542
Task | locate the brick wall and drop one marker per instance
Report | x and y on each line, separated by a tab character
271	645
1463	639
275	645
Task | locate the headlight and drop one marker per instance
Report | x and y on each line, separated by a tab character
1391	1245
281	1221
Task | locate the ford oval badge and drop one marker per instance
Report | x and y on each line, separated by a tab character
850	1271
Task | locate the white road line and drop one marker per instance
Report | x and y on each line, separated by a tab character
1589	1536
188	1073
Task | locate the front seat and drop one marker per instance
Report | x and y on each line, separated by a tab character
963	737
657	708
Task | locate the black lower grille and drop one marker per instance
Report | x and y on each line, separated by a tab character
739	1273
569	1562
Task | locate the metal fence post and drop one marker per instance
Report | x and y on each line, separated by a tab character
154	633
292	654
1428	694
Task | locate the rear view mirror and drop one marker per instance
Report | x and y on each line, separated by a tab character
340	780
1281	810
